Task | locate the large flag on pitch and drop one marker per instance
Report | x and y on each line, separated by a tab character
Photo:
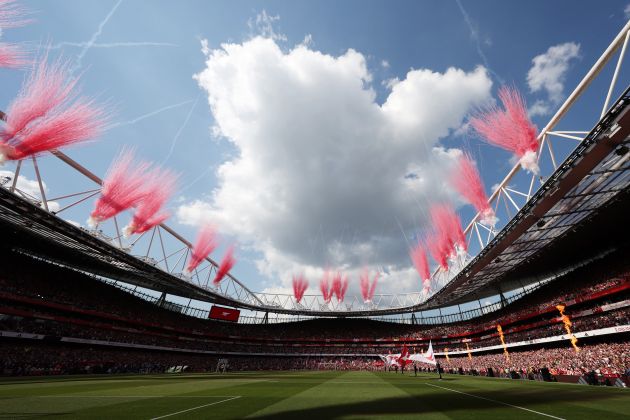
427	357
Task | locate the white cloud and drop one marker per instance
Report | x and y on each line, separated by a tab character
548	74
626	11
322	177
27	188
263	25
385	64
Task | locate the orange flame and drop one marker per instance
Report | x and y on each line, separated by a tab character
505	350
446	353
567	326
468	349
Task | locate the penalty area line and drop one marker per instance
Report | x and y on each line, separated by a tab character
195	408
498	402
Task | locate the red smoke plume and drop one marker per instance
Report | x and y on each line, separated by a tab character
467	181
510	128
367	290
47	114
448	225
160	185
206	243
12	16
226	265
300	284
324	287
123	187
420	262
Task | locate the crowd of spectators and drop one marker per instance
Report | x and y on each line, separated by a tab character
610	359
39	298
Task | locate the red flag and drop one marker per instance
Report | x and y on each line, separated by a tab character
224	314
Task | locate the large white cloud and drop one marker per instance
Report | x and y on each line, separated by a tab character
324	174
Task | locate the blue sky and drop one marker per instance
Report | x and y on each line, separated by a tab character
143	56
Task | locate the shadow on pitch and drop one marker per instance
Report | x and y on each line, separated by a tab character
437	401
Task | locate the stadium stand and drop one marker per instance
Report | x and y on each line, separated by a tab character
58	321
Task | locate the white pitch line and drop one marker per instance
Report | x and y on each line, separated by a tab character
120	396
498	402
195	408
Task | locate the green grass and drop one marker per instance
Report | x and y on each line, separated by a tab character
302	395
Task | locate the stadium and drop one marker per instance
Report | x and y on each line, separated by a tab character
445	244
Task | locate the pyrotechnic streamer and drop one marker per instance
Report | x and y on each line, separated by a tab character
439	249
567	326
205	243
339	286
324	287
367	290
467	181
225	266
47	114
160	185
12	15
505	350
510	128
123	188
468	350
419	258
300	284
12	57
449	226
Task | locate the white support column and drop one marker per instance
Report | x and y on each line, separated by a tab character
615	75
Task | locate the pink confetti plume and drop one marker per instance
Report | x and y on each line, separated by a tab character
48	115
449	226
510	128
420	262
367	289
324	287
123	187
12	15
225	266
466	180
159	187
300	284
205	243
12	57
339	286
439	248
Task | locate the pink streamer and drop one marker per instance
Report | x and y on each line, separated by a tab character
448	226
467	181
510	128
300	284
206	243
324	287
367	289
339	286
226	265
420	262
47	114
159	188
123	187
12	57
12	15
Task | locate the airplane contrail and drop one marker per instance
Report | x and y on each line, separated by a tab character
94	37
112	44
149	114
475	37
179	132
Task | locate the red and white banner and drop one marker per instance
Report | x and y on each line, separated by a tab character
224	314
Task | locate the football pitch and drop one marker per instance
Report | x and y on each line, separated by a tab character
302	395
